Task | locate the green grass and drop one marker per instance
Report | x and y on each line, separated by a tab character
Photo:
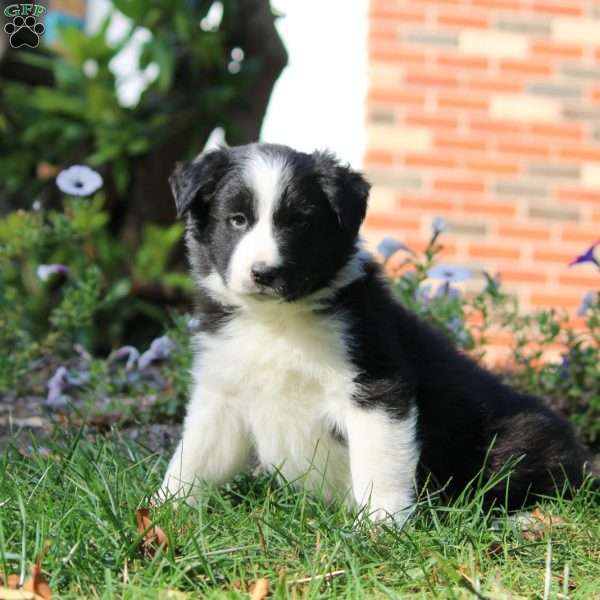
80	497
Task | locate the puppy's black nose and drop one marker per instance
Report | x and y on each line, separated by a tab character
263	274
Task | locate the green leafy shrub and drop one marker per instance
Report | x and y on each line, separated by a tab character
571	384
119	247
63	104
65	280
91	303
80	118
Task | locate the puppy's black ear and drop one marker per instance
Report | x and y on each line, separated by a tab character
346	189
197	181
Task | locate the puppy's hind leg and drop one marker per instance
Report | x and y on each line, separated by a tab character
550	458
215	446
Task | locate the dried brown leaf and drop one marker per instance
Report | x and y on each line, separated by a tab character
547	520
533	535
494	549
260	590
464	573
154	536
535	524
11	594
36	583
324	576
571	584
34	422
106	421
35	587
46	170
10	581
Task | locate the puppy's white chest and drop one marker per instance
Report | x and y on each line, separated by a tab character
291	381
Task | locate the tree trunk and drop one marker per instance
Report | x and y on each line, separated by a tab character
257	36
252	27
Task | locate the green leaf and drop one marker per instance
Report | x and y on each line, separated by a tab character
120	175
53	101
118	291
180	281
161	54
152	257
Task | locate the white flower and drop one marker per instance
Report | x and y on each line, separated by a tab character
449	273
90	67
44	271
79	180
439	225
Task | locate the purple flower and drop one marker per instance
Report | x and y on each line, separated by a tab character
389	246
160	349
588	256
588	301
45	271
79	180
565	366
131	353
457	327
449	273
439	225
423	295
59	383
447	291
56	385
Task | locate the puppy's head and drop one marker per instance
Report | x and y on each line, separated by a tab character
267	222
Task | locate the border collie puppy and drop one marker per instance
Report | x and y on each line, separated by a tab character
306	364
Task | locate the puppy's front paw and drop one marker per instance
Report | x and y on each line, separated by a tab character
172	488
398	517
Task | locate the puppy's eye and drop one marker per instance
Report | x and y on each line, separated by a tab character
238	221
300	221
296	220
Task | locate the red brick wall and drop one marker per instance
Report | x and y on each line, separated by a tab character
487	113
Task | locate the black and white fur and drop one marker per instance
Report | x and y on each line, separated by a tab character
306	364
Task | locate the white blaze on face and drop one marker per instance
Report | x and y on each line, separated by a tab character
266	177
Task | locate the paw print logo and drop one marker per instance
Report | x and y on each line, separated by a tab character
24	32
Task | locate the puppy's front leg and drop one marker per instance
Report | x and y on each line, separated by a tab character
383	458
215	446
